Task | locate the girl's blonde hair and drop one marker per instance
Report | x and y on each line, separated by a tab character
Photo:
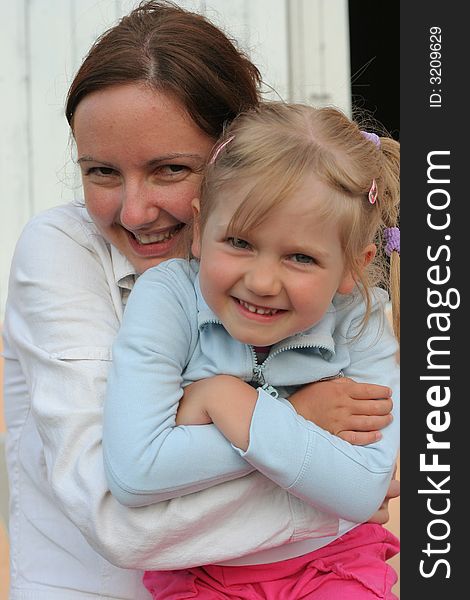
273	148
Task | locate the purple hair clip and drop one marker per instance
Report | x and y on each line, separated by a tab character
392	240
219	149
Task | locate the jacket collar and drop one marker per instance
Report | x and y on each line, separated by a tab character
319	337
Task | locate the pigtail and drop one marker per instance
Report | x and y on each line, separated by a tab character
389	205
395	291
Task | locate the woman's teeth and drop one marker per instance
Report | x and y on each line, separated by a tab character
257	309
144	238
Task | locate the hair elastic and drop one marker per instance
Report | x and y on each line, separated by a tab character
392	240
373	137
219	149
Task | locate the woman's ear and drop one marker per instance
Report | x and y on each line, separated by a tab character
348	281
196	243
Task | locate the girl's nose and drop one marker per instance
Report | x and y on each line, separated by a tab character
139	206
262	279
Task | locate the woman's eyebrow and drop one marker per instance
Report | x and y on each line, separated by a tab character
86	158
157	159
175	156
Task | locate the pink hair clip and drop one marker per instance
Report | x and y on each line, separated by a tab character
373	192
374	138
219	149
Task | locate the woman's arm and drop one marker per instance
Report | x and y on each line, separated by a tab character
62	317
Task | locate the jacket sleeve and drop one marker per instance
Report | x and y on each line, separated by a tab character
62	319
147	457
320	468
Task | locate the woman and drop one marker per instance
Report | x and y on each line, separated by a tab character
145	109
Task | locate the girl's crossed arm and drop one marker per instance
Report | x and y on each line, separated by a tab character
317	467
147	457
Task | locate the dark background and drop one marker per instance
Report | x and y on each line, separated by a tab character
375	60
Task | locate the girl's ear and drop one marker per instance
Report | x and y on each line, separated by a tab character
368	255
348	281
196	243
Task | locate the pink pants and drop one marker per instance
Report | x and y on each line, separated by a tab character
353	566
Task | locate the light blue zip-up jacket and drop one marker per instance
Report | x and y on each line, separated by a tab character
170	338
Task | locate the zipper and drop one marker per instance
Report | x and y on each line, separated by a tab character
258	369
258	375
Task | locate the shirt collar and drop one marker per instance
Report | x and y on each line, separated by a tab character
125	273
319	337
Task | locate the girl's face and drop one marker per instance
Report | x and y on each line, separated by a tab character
141	159
278	280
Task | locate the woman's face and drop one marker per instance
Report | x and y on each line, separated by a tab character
141	159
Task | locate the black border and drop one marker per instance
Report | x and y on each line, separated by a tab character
423	129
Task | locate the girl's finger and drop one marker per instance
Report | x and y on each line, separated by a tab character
360	438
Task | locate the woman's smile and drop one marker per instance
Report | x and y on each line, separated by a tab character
155	244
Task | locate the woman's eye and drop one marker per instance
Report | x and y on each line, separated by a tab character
172	170
238	243
303	259
101	171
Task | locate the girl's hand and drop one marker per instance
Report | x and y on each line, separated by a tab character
352	411
201	399
224	400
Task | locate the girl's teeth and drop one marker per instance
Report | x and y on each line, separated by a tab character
258	310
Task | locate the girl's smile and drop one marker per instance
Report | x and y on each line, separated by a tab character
261	313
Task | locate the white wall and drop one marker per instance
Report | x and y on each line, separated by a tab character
300	46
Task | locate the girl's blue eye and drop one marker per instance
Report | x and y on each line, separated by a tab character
238	243
303	259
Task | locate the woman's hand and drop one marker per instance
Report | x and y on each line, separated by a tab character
382	515
352	411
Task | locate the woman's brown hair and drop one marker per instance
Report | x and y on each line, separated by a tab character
175	51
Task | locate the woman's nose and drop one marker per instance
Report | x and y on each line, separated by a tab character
139	206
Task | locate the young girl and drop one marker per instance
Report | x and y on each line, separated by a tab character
291	207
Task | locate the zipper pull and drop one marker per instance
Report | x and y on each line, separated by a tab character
270	390
258	374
